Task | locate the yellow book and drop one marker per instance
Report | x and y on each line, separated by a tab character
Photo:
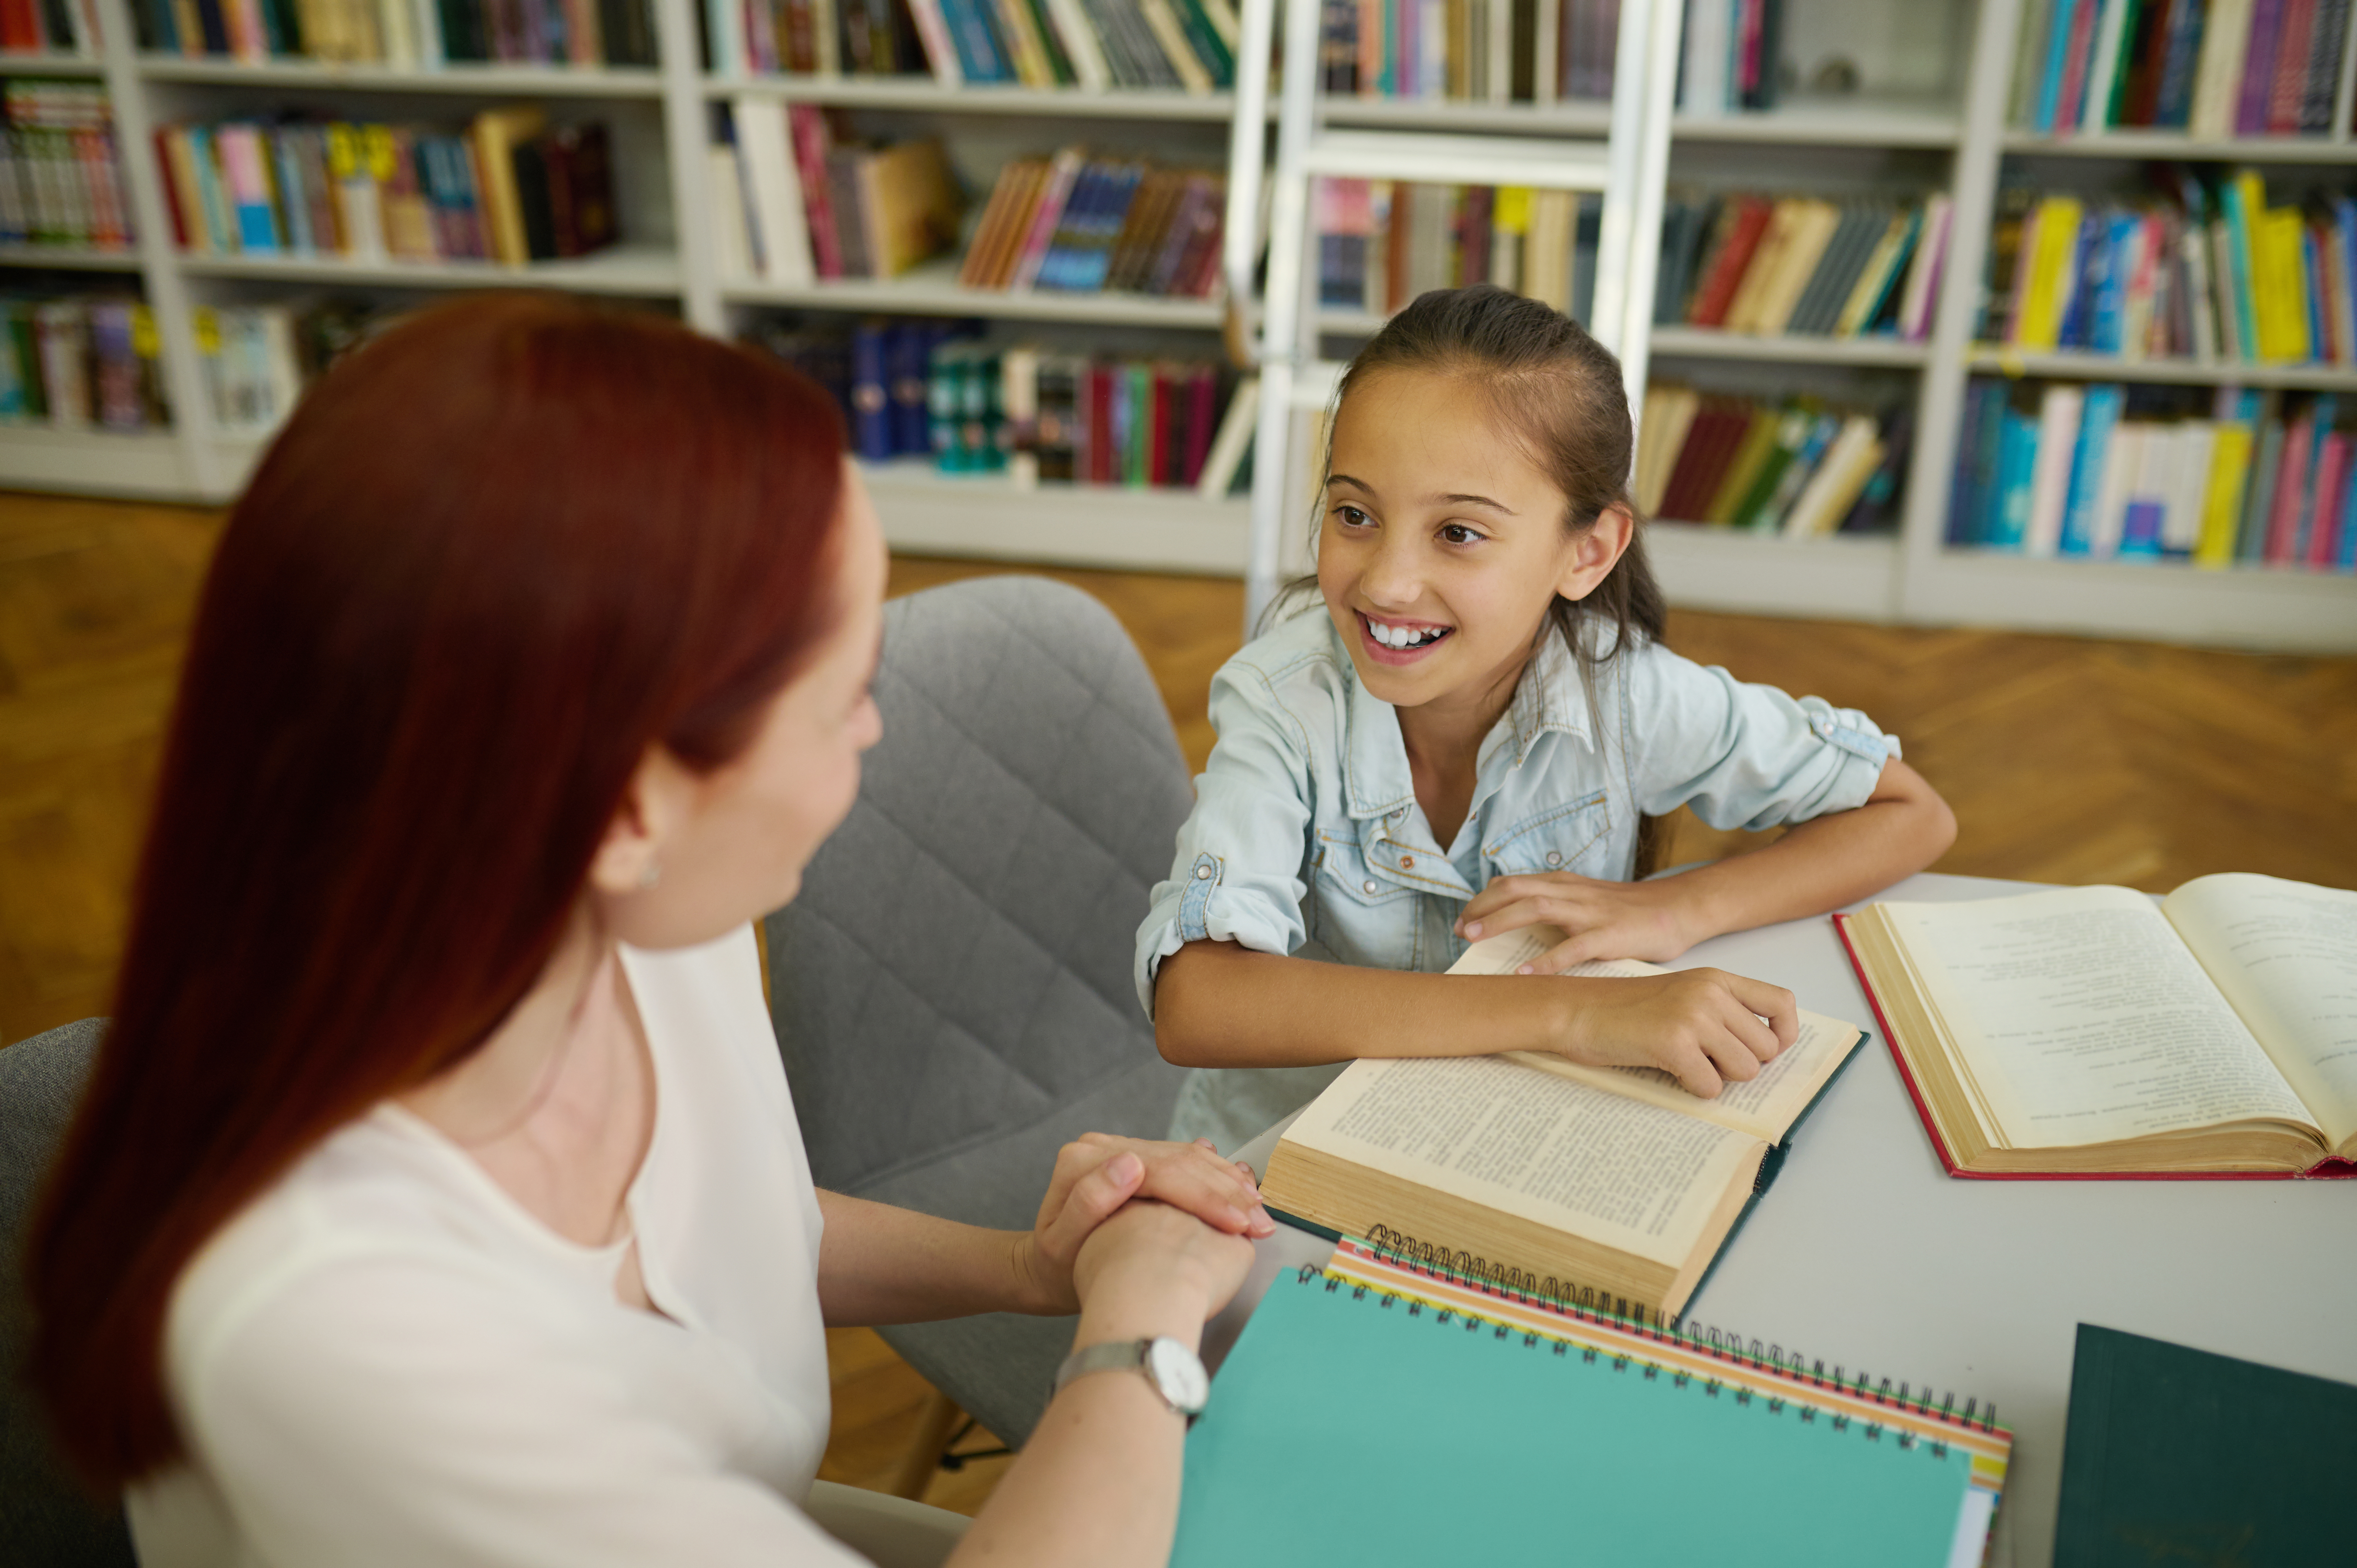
2278	287
1761	269
496	134
1030	51
2222	502
2048	294
1750	456
1813	229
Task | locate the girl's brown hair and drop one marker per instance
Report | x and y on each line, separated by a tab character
1559	391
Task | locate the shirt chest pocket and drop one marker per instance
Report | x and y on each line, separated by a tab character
1359	916
1576	836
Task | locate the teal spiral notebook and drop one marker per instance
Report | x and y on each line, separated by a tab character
1356	1425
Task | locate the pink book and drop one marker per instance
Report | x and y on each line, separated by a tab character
1045	217
2290	84
810	137
2075	64
2291	481
2331	497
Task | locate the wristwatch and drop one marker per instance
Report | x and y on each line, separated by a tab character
1176	1372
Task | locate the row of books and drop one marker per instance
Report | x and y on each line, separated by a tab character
505	189
808	206
48	27
1801	264
2112	472
2213	274
61	183
1089	44
935	390
79	363
1798	466
2214	68
405	34
1477	51
1733	52
1079	224
1383	242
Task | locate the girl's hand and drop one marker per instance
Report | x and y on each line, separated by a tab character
1098	1173
1652	920
1703	1025
1150	1270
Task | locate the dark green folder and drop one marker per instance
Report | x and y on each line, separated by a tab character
2178	1457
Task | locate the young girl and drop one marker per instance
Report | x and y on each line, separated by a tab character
1465	742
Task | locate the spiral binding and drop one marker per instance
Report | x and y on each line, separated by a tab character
1584	1303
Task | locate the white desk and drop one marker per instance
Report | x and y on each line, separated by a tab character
1867	1254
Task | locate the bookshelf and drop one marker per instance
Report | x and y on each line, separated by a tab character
1931	112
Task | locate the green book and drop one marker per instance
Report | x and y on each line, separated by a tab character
1362	1426
2175	1456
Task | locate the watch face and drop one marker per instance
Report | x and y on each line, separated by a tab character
1178	1372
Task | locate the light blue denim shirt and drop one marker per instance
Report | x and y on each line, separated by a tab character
1307	838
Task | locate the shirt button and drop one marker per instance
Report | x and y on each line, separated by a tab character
1407	863
1369	884
1202	872
1554	858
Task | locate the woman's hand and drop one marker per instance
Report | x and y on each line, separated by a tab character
1703	1025
1652	920
1098	1173
1151	1270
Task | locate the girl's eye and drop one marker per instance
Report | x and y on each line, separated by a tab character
1351	517
1459	533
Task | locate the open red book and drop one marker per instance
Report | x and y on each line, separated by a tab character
2089	1032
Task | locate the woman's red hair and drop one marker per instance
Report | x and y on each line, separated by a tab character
497	554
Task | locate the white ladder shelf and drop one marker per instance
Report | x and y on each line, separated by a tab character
1627	166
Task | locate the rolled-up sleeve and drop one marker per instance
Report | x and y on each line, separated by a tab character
1236	874
1744	755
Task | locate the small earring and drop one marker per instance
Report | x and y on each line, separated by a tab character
651	875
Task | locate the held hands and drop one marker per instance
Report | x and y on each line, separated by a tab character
1651	921
1200	1198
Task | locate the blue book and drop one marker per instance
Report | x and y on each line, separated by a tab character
2345	557
2106	330
2017	458
1968	522
2238	267
299	237
2173	106
907	352
2101	412
1092	261
871	392
2091	265
977	46
2312	256
1088	194
2057	51
1355	1424
2140	531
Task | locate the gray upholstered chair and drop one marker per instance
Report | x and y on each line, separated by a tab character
47	1521
952	988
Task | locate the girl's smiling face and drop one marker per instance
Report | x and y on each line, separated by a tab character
1443	544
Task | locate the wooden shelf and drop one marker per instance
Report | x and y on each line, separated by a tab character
1849	576
624	270
929	512
1831	121
1709	343
144	463
500	80
2177	144
2243	606
1574	117
14	62
78	257
2079	365
924	93
932	289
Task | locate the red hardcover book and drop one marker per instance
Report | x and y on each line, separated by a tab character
1718	289
20	26
173	195
1160	410
1104	461
2289	89
2076	62
1202	422
810	146
2330	1168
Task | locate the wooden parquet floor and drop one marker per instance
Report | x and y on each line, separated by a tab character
2066	760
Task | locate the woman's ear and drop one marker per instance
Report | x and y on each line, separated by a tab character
1595	553
655	801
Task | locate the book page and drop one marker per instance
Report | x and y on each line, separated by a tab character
1764	1107
2081	1018
2285	953
1557	1153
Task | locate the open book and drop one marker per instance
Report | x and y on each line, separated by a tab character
2087	1031
1606	1186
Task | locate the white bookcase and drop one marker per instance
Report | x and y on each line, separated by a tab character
1929	114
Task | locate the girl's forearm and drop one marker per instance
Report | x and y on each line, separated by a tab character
1221	1005
1822	864
881	1264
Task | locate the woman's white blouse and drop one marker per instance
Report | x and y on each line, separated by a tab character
386	1360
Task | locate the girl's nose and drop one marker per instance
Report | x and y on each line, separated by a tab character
1393	579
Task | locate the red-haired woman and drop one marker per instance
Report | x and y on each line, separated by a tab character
437	1197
